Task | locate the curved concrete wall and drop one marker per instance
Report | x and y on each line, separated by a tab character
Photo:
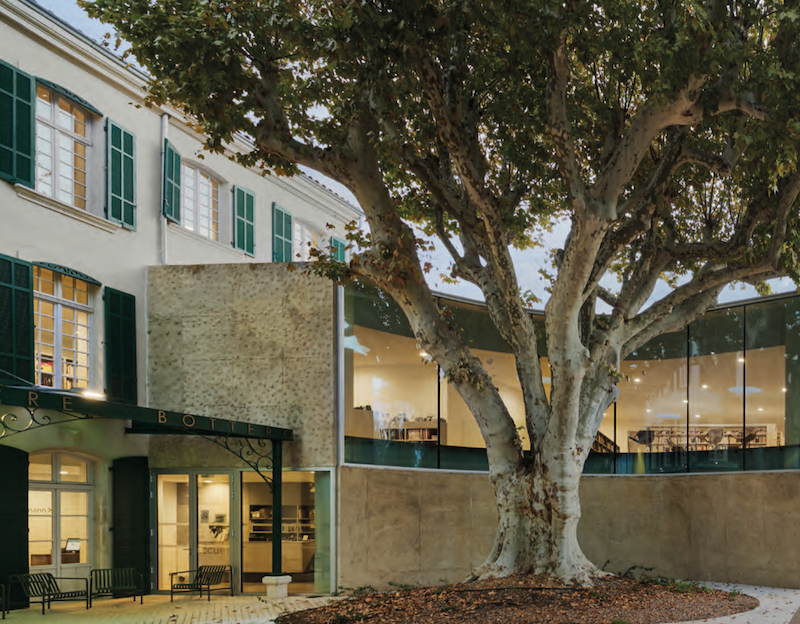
425	527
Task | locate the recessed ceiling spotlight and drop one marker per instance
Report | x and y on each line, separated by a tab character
704	386
697	415
741	359
783	389
686	400
648	411
636	379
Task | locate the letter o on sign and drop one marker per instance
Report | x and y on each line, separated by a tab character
188	420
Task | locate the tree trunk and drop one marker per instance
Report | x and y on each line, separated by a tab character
538	512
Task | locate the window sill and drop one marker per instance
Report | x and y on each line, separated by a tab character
65	209
179	230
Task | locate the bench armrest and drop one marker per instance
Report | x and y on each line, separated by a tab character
171	574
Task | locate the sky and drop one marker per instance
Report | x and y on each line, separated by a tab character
528	262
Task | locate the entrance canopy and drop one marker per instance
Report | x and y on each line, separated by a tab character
148	419
247	441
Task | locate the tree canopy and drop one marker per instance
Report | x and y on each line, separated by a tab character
663	131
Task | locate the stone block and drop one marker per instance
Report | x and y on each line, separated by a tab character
277	586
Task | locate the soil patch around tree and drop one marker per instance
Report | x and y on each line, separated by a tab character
531	600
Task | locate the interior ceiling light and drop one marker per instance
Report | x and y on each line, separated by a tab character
760	409
745	390
741	359
636	379
704	386
783	389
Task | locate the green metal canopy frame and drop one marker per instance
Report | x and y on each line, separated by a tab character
247	441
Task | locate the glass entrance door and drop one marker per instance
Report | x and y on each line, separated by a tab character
193	514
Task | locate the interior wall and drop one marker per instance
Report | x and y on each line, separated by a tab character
427	527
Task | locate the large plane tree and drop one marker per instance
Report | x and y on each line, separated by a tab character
663	132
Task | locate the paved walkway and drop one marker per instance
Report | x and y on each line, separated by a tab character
157	609
778	606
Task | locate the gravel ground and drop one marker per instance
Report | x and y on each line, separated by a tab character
532	600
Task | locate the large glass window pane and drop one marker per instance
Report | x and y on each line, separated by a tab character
462	444
771	359
391	386
718	387
602	455
305	538
173	526
73	470
74	526
40	527
40	467
651	423
213	520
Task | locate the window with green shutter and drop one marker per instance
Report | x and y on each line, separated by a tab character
244	205
337	249
16	125
16	321
172	183
281	235
121	168
120	355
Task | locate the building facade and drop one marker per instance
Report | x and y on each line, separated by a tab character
150	277
95	187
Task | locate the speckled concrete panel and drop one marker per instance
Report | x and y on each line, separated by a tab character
184	451
352	518
248	342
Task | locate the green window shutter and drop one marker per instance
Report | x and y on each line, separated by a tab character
281	234
172	183
244	206
16	321
337	249
17	98
130	509
120	316
121	170
14	520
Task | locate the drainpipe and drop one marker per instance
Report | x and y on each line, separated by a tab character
162	218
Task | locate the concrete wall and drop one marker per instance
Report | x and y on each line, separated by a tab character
252	342
737	527
423	527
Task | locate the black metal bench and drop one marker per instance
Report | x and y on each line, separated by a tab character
117	582
43	586
202	577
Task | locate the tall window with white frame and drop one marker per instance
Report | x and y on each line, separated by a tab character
62	146
200	199
59	514
305	239
62	317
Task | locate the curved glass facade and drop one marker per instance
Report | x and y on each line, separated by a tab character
715	397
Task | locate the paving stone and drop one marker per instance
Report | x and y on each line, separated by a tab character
157	609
